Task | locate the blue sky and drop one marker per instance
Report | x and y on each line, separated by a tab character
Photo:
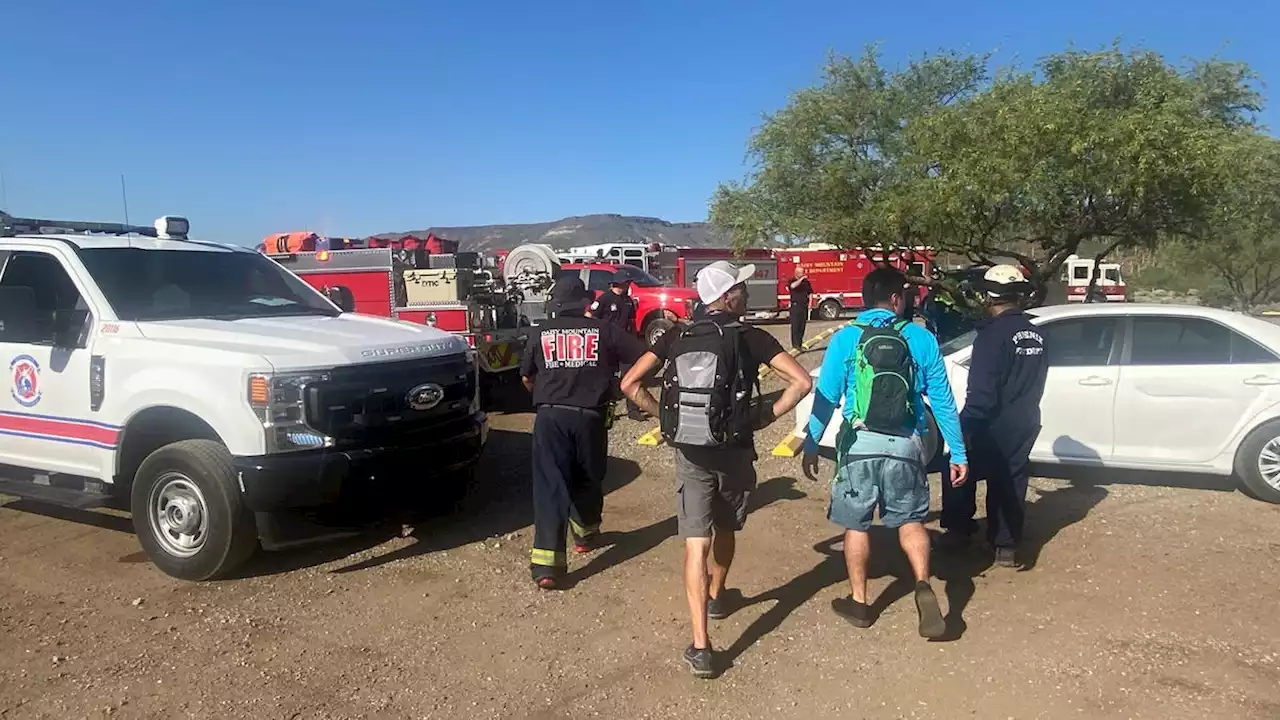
353	118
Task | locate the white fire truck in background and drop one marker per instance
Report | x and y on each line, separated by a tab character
1109	287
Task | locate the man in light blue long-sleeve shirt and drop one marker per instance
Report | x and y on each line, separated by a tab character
884	468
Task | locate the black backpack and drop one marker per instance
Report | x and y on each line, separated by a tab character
707	387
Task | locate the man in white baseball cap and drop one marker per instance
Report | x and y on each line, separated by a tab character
1001	417
721	276
715	459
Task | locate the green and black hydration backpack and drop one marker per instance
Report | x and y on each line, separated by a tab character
885	380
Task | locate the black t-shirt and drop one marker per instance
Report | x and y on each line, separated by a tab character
573	360
800	293
761	347
617	309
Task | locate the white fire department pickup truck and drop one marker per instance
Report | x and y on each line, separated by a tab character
212	390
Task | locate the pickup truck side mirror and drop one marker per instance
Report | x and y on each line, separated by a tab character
69	327
341	296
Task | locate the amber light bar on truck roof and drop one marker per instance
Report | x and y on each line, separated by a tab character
167	227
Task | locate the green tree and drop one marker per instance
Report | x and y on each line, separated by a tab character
1108	148
823	162
1240	241
1111	149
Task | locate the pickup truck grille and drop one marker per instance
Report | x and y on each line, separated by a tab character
371	403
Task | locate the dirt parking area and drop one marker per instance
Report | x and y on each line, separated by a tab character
1146	598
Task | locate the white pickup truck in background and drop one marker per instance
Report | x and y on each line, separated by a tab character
212	390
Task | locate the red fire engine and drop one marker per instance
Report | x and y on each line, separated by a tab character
422	280
679	267
836	274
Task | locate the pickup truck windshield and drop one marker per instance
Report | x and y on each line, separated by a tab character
630	273
183	284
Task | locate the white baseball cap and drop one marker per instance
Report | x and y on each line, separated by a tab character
719	277
1003	280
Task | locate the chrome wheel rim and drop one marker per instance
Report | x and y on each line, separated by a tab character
179	516
1269	462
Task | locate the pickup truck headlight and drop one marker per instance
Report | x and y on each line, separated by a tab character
278	401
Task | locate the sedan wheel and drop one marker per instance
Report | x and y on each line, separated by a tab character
1269	463
1258	462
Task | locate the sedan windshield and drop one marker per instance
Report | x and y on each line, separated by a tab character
958	343
183	284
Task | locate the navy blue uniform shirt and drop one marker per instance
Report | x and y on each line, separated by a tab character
1006	380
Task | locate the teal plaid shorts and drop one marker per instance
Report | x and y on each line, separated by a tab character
878	472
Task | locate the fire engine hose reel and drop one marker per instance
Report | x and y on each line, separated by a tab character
530	259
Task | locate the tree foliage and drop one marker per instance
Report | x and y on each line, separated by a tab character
1110	148
1240	241
824	161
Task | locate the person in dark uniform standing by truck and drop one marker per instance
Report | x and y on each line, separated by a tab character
615	306
801	289
570	367
1000	419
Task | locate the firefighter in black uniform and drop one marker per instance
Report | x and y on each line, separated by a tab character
570	367
615	306
1000	419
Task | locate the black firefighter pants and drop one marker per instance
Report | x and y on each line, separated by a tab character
570	450
799	317
1006	472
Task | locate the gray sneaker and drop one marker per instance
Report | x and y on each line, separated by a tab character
719	608
701	662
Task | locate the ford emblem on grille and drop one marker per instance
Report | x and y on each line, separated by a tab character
425	397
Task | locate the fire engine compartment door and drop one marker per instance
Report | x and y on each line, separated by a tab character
435	286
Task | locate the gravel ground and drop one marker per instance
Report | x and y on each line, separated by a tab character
1144	600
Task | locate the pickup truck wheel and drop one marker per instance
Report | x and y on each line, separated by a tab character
655	330
1258	462
830	310
188	514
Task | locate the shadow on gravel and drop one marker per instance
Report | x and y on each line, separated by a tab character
956	571
1151	478
887	559
1051	513
82	517
621	547
499	503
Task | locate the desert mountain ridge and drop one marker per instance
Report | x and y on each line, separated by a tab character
580	230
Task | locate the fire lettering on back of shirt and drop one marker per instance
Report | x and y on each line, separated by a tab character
570	347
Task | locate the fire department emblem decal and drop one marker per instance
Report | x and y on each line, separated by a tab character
25	372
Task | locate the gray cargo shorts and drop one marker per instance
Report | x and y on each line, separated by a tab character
713	486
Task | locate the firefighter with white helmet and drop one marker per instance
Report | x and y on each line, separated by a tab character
1001	417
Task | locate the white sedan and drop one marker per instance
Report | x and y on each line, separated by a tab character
1170	388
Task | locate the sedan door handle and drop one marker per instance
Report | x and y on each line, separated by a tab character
1262	380
1094	381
